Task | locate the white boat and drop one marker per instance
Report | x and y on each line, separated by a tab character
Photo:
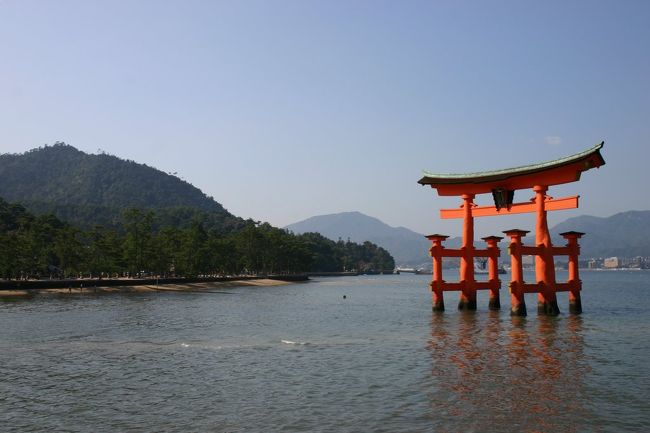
480	267
399	270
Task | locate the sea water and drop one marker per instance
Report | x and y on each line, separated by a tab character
302	358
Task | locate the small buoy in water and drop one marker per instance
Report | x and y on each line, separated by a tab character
345	296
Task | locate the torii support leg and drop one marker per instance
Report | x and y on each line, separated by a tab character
518	307
436	283
544	264
575	303
468	293
493	271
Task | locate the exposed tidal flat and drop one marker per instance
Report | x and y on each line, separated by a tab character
301	357
99	286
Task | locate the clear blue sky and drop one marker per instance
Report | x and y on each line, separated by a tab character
282	110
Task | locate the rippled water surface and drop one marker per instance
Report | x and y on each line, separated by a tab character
302	358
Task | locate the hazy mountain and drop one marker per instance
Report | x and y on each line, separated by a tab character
623	234
406	246
88	189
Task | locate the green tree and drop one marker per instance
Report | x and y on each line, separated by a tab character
167	248
194	253
138	245
104	251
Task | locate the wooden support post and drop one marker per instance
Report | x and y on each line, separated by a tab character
493	271
435	252
575	303
468	293
544	263
518	307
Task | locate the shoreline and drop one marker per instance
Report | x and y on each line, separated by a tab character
96	287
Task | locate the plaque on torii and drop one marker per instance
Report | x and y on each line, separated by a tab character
502	184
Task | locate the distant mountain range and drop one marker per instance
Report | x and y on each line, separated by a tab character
623	234
406	246
87	189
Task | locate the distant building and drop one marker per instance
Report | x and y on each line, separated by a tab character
611	263
636	262
595	264
528	261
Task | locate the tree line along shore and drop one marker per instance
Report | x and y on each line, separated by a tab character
139	245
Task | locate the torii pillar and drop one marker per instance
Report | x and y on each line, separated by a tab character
544	263
468	293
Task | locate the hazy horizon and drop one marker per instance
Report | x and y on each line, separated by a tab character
286	110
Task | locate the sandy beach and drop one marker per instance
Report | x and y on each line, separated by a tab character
207	287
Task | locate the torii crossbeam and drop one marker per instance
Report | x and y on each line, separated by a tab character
502	184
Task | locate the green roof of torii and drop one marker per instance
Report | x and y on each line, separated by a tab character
496	175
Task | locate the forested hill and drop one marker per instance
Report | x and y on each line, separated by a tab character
113	216
88	189
44	246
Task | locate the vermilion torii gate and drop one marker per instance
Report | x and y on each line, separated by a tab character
502	184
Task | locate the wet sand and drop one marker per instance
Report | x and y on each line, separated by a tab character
207	287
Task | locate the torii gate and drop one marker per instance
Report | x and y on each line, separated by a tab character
503	184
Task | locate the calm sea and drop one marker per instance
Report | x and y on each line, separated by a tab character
301	358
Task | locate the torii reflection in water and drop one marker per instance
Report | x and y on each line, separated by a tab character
491	374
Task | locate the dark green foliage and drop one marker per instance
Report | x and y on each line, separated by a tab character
87	190
36	245
128	218
104	252
330	256
138	242
64	175
323	253
44	246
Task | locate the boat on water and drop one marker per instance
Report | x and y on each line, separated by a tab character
480	267
400	270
